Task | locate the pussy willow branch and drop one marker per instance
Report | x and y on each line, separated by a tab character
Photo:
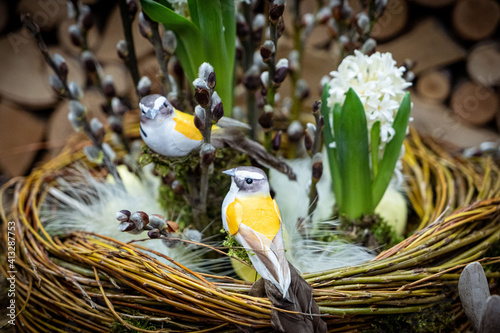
131	60
205	169
107	162
313	191
161	56
35	31
298	45
249	48
271	88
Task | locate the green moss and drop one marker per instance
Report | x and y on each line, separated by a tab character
235	248
175	205
371	231
187	172
385	234
434	319
117	327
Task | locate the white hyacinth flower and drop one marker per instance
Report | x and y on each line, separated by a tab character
180	7
379	85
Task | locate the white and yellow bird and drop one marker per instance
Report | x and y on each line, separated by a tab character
252	217
166	130
172	133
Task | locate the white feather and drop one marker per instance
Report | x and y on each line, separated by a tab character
248	174
303	249
81	202
267	247
159	102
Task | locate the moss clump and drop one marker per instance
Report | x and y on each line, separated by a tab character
143	323
235	248
187	173
176	206
371	231
434	319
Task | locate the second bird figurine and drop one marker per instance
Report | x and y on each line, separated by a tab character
253	218
172	133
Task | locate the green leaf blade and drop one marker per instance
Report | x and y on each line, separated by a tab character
218	53
189	41
374	147
193	11
229	23
392	151
327	113
353	154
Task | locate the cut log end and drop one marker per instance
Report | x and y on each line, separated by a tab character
429	44
4	14
392	21
476	19
483	63
474	103
434	85
22	134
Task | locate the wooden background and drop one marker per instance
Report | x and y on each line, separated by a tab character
455	44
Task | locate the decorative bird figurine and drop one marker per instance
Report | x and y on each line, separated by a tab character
252	217
172	133
165	129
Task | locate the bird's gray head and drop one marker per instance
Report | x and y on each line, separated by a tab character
153	105
249	180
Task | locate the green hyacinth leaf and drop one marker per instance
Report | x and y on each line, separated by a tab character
217	23
353	155
189	51
327	113
374	147
392	150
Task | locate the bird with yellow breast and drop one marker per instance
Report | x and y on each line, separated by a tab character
172	133
166	130
251	216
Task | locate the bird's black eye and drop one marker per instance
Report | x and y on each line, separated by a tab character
249	180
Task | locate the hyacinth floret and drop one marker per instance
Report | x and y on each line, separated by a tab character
379	84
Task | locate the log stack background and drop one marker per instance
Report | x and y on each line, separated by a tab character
455	45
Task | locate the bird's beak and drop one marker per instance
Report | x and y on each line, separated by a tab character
230	172
151	113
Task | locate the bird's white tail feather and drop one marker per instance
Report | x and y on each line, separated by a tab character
268	259
285	276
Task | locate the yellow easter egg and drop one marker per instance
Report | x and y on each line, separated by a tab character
245	272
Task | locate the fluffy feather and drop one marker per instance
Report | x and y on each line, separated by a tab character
304	251
81	202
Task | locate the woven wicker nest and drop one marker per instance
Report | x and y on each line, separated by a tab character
90	283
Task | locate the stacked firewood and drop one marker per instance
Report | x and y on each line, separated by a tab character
456	50
454	45
34	122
